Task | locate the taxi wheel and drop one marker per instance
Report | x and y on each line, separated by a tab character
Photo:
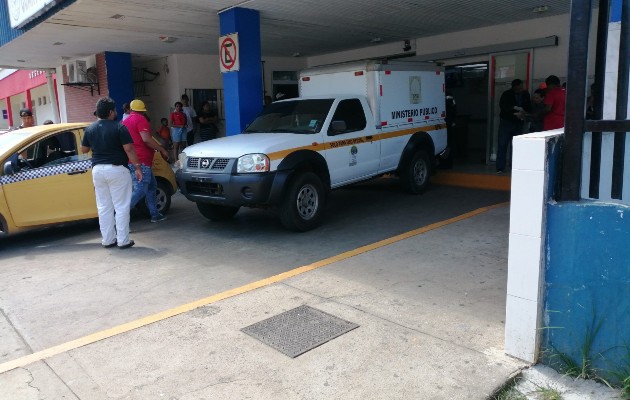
215	212
162	197
303	203
415	175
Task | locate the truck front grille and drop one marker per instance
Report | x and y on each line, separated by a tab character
208	163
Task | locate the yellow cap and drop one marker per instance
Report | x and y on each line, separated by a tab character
137	105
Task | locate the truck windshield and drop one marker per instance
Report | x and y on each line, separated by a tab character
292	116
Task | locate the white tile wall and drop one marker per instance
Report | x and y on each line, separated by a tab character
527	202
529	154
523	278
521	332
525	257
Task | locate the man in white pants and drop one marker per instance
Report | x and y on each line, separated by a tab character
112	147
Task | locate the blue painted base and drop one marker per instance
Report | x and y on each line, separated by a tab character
588	286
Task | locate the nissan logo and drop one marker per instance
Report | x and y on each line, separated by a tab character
205	163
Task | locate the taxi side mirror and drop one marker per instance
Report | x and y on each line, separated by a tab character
8	168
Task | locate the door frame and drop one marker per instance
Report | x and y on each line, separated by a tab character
492	132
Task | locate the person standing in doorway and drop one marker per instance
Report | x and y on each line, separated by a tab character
178	129
207	122
191	116
145	147
112	147
512	104
555	99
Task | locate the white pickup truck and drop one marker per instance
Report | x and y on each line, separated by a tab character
351	122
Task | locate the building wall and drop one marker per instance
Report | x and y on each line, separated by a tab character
546	60
42	104
80	103
193	71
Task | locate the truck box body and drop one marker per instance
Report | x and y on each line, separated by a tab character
401	95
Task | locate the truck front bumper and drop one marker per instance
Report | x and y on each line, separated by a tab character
233	190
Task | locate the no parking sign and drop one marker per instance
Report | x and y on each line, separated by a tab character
228	53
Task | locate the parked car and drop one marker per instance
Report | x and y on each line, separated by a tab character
45	180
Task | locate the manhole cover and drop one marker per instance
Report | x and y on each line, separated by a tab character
299	330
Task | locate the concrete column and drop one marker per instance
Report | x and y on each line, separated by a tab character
53	95
9	111
243	88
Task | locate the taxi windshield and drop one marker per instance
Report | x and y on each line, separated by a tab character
304	116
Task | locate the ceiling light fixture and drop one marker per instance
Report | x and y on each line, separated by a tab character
540	9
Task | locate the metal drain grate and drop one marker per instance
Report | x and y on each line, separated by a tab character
299	330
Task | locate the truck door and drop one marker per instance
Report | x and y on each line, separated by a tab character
351	153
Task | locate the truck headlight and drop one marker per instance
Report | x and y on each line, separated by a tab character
182	162
252	163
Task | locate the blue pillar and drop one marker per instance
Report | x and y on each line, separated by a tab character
243	88
119	79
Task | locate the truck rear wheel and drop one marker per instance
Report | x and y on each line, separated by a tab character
415	175
301	208
215	212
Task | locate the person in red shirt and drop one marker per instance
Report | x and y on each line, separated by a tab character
178	128
140	130
555	99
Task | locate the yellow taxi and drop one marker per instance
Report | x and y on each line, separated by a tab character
45	180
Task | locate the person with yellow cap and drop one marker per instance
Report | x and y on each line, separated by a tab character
140	130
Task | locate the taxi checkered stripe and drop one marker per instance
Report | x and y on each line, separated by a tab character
25	175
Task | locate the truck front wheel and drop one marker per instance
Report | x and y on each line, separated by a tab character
415	175
215	212
301	208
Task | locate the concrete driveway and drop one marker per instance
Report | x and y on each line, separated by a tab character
424	277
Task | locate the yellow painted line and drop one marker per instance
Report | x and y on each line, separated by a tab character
476	181
129	326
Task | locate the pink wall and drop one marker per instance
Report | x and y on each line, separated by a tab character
20	81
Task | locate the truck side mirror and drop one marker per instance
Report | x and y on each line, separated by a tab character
8	168
338	127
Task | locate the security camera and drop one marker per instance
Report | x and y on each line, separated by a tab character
407	45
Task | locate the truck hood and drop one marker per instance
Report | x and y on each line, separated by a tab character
238	145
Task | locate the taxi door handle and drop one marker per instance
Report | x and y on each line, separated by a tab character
77	172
